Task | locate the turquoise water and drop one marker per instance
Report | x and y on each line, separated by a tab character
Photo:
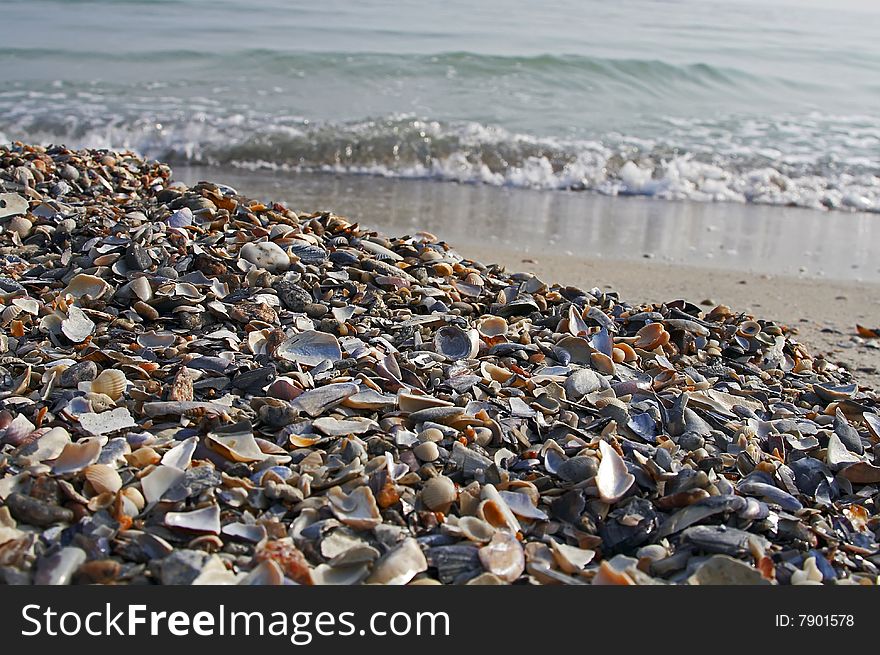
770	102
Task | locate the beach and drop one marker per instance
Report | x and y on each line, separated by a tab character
813	271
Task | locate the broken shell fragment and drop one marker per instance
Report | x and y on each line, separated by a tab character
613	479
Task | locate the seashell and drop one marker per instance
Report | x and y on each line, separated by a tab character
9	314
400	565
409	402
103	478
748	329
135	497
357	509
106	422
180	456
569	558
476	529
577	348
522	506
237	447
495	510
317	401
205	520
609	574
283	388
244	531
490	326
140	287
18	430
369	399
310	348
651	336
77	456
325	574
832	393
47	447
577	326
77	326
266	573
12	204
110	382
454	343
427	451
28	305
156	340
438	494
333	427
602	363
86	286
492	372
503	556
302	441
267	255
613	479
160	480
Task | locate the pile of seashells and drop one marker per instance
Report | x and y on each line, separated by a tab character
196	387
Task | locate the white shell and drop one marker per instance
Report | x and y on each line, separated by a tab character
77	326
83	285
104	478
206	520
503	556
160	480
310	348
400	565
357	509
454	343
613	479
77	456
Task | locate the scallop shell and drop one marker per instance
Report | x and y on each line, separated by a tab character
77	456
103	478
357	509
86	286
77	326
454	343
613	479
111	382
439	493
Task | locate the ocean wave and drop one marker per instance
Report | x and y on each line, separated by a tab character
816	161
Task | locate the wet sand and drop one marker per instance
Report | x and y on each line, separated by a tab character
814	271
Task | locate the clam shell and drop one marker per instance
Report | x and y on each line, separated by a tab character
503	556
476	529
490	326
86	286
48	446
77	326
103	478
240	447
439	493
110	382
613	479
156	339
205	520
310	348
357	509
77	456
570	558
454	343
400	565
